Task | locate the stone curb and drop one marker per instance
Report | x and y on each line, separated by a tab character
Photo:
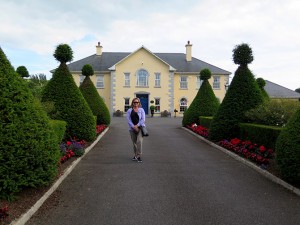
26	216
250	164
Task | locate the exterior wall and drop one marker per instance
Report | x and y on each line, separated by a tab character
141	59
103	92
192	89
169	92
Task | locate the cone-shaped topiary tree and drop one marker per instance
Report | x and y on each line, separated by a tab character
29	154
93	98
288	150
68	101
22	71
204	104
261	84
243	94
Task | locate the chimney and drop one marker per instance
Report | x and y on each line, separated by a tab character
188	47
99	49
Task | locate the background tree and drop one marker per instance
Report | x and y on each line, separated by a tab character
288	150
29	154
92	96
205	102
243	94
261	84
36	83
298	90
69	104
22	71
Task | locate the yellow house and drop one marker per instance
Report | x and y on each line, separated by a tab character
169	80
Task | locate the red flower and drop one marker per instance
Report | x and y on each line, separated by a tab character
262	149
235	141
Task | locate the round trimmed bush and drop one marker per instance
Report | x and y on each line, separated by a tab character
288	150
22	71
63	53
242	54
29	153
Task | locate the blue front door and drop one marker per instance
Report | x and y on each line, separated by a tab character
144	101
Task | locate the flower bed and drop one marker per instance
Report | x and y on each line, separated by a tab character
255	153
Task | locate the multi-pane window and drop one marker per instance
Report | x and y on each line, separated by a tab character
81	79
100	81
127	79
199	82
216	82
157	105
183	105
157	79
183	82
127	104
142	78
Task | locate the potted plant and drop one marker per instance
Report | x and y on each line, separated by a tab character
175	111
152	108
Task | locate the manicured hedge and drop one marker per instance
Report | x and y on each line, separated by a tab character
205	121
29	153
288	150
260	134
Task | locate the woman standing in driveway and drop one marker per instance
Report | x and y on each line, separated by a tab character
136	118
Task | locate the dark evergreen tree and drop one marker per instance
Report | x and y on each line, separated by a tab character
69	104
261	84
298	90
205	102
243	94
288	150
92	96
22	71
29	154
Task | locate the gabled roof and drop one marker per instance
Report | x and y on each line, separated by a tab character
277	91
176	61
170	67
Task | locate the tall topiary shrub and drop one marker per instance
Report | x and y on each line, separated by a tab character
69	104
204	104
243	94
92	96
29	153
261	84
288	150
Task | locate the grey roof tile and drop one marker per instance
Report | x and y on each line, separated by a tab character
278	91
176	60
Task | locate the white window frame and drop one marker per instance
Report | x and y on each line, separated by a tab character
157	105
198	82
183	105
126	104
216	82
142	78
81	79
100	81
127	79
157	80
183	82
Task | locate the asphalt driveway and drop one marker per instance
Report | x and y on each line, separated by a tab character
182	181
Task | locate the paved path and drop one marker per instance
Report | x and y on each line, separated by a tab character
182	181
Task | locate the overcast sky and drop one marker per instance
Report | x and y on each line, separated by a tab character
31	29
